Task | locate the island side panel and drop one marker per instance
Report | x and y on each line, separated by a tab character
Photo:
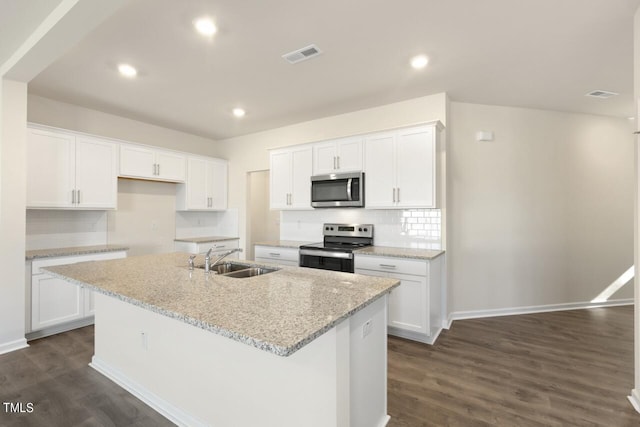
195	377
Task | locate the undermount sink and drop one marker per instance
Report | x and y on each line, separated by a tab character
250	272
239	271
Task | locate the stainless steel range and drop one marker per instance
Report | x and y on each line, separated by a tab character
335	252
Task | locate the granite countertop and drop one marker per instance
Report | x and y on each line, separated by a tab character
278	312
295	244
206	239
410	253
74	250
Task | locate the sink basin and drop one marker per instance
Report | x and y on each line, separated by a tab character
236	270
250	272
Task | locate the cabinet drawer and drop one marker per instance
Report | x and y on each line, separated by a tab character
275	254
391	265
36	265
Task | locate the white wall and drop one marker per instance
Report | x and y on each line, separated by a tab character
249	153
13	111
263	224
541	215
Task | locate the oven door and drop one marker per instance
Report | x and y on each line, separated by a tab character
325	260
337	190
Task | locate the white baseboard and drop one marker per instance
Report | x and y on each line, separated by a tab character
164	408
385	421
414	336
512	311
13	346
634	398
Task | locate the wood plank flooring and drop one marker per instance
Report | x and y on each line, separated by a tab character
571	368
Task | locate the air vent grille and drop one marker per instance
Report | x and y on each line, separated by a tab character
603	94
303	54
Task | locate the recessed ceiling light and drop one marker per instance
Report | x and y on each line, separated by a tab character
127	70
205	26
238	112
419	61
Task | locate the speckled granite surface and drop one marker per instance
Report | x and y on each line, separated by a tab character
295	244
409	253
70	251
278	312
206	239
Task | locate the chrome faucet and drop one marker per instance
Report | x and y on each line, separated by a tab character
207	259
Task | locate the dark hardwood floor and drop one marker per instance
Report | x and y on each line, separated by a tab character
568	368
571	368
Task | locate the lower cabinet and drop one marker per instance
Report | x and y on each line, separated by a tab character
415	307
277	255
55	304
202	247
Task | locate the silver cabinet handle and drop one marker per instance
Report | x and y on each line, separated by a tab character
398	195
158	169
394	195
274	254
338	162
387	266
78	196
73	197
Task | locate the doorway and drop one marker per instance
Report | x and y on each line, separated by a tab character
263	224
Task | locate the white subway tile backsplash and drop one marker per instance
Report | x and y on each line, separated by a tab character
46	229
201	224
414	228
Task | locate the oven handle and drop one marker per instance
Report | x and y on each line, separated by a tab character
326	254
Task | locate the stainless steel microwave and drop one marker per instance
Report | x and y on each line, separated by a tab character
338	190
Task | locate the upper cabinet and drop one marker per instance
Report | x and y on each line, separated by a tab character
290	178
342	155
205	188
70	171
401	168
149	163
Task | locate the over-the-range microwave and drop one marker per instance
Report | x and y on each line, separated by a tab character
338	190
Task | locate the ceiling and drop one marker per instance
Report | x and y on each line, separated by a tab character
531	53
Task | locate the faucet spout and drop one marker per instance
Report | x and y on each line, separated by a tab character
208	265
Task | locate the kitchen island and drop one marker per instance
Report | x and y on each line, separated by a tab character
293	347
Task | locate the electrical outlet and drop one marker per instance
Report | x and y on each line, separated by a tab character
366	328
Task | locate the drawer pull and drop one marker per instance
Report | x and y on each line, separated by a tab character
274	254
387	266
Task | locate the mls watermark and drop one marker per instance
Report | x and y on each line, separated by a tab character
17	407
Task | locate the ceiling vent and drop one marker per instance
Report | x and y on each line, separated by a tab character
602	94
303	54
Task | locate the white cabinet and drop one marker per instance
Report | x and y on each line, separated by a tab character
277	255
401	168
342	155
205	188
56	303
137	161
415	307
202	247
70	171
290	178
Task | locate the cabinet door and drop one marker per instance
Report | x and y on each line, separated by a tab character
301	164
137	162
325	158
408	304
89	303
415	174
217	180
196	185
54	301
379	171
279	179
171	166
50	169
350	155
96	175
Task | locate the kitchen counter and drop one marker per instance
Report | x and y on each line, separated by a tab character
410	253
278	312
206	239
71	251
295	244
